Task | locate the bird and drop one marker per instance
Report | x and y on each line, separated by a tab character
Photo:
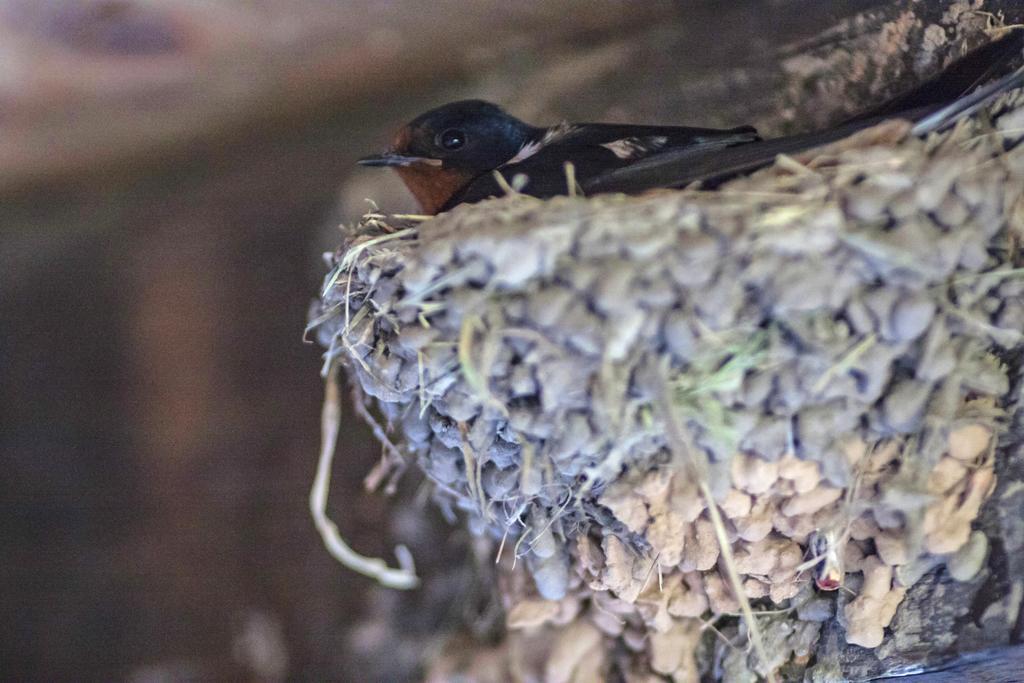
466	151
447	155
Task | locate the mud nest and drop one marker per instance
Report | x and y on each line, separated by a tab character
811	369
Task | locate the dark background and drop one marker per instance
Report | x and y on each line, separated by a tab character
170	172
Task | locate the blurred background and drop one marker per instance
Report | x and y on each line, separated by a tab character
170	173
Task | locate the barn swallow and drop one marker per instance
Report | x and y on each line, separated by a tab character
447	155
453	154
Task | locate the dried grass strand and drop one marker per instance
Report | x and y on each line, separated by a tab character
403	578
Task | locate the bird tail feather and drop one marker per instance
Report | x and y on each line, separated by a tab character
931	106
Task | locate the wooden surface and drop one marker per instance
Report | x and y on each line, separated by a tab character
87	84
993	666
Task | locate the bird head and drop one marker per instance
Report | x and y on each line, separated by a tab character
441	151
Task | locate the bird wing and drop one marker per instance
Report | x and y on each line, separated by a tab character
594	149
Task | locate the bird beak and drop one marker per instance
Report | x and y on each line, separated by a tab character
393	159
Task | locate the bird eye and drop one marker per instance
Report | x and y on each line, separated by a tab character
452	139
